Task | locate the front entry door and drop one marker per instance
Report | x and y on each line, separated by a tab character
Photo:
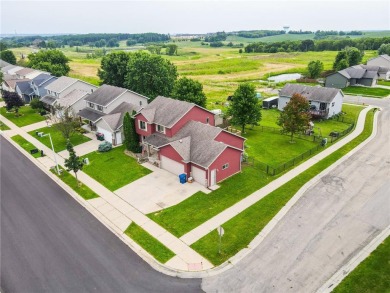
213	177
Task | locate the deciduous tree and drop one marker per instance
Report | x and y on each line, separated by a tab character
12	101
113	68
73	163
65	121
150	75
189	90
8	56
245	107
53	61
295	116
315	68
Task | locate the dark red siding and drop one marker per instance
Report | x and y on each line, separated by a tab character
195	114
149	130
169	152
231	139
230	156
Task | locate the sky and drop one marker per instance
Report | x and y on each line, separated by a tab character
57	17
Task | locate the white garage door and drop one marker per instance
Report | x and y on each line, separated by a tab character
118	138
171	166
199	175
107	134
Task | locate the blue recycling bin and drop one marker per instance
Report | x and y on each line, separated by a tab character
183	178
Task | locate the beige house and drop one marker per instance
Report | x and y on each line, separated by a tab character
383	64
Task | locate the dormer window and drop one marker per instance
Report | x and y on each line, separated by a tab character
91	105
100	108
160	128
142	125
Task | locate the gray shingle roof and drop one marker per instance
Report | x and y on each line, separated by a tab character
194	142
49	100
71	98
3	63
12	82
61	84
90	114
166	111
41	78
312	93
105	94
370	74
24	86
115	118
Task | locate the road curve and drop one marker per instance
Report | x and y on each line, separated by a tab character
333	220
49	243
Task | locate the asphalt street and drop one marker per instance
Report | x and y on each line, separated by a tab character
49	243
333	220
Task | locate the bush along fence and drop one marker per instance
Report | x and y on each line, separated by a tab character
271	170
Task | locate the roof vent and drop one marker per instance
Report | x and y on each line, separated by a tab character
180	140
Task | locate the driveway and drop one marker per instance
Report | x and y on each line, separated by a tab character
333	221
158	190
83	149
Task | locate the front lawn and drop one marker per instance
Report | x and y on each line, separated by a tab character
114	169
59	141
374	92
149	243
83	190
384	82
242	229
26	145
370	276
28	116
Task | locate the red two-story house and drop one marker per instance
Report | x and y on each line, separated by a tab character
181	138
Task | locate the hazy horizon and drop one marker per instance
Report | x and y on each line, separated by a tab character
191	17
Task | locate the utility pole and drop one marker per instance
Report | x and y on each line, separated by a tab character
52	147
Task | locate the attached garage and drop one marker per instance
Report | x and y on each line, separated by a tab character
199	175
171	165
107	134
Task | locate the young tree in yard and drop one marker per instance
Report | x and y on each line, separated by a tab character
150	75
36	104
8	56
131	137
73	163
113	68
295	116
315	68
342	55
53	61
12	101
65	121
189	90
355	56
245	107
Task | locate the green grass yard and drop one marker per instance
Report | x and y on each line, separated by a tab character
366	91
59	141
26	145
3	126
81	189
370	276
114	169
241	230
28	116
149	243
384	82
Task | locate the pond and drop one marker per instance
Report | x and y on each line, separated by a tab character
285	77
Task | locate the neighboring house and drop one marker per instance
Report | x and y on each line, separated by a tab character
9	83
28	73
104	110
61	87
24	90
74	100
324	102
3	63
355	75
181	138
11	69
39	83
381	61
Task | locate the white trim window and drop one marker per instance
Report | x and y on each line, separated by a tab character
99	108
225	166
91	105
160	128
142	125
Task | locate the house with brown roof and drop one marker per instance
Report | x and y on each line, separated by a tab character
180	137
324	102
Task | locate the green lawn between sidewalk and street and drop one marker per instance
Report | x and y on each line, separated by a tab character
374	92
26	145
242	229
149	243
59	141
3	126
81	189
114	169
370	276
270	148
27	116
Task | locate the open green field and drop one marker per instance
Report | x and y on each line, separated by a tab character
27	116
59	142
114	169
149	243
370	276
26	145
241	230
366	91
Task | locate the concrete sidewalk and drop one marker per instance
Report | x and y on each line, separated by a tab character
118	212
212	224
